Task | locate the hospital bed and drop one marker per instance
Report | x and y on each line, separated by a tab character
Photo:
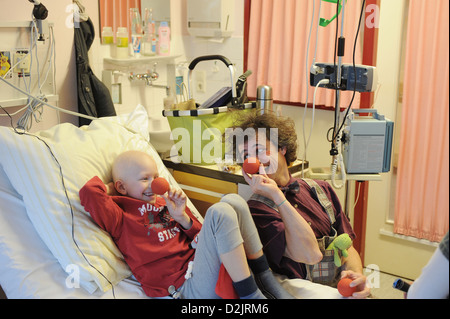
49	246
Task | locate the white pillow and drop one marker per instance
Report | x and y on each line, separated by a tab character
82	153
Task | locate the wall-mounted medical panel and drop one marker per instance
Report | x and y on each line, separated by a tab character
26	62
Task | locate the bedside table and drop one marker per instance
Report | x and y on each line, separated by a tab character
206	184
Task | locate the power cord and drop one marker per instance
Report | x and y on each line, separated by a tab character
34	106
305	143
338	161
354	70
323	81
49	105
335	151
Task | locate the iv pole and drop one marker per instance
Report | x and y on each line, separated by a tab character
335	143
341	47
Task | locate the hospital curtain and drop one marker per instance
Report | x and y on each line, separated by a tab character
116	13
277	47
422	200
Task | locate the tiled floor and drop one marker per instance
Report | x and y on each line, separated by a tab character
383	289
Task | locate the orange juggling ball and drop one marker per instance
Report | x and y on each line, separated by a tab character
344	287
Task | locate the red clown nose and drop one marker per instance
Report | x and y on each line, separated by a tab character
251	165
160	186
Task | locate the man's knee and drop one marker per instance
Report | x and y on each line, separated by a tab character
221	212
235	200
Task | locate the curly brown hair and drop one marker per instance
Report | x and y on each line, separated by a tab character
287	137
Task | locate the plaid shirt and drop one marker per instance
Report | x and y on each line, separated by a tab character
271	227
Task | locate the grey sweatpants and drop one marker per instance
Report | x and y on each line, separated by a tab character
227	224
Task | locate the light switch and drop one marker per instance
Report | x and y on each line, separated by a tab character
116	93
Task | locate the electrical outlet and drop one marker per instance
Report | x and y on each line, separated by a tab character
24	61
116	93
200	81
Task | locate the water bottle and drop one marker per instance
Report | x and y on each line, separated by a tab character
136	31
149	33
264	99
122	43
108	39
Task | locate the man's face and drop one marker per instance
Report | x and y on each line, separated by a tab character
263	149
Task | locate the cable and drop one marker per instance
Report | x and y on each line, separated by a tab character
17	112
54	67
36	102
25	56
317	32
333	146
357	197
51	58
34	109
35	32
338	160
307	70
49	105
26	120
323	81
336	140
307	86
354	70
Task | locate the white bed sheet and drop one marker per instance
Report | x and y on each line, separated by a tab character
29	270
27	267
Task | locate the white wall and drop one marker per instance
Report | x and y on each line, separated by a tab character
187	48
217	75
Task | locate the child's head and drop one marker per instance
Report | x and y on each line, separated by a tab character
133	173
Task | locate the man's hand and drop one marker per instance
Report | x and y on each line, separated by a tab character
359	281
261	184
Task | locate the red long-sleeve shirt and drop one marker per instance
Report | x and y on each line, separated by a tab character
153	244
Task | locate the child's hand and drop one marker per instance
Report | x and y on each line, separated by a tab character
176	204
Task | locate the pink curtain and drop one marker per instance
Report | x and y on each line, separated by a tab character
422	200
278	36
116	13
